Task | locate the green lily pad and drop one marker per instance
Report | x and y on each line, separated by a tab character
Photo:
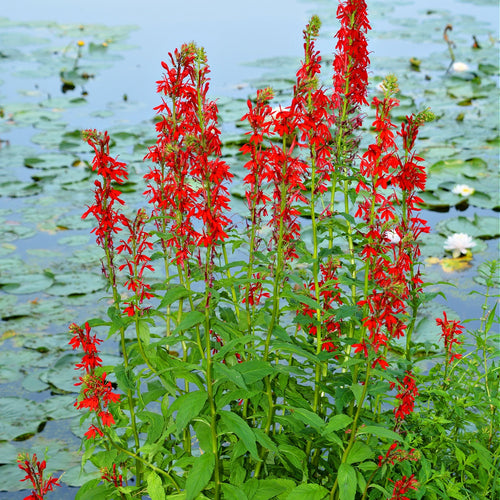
50	160
19	418
11	478
60	407
76	284
26	283
8	453
19	189
477	227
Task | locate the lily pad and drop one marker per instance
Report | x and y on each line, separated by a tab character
76	284
50	160
19	189
19	418
26	283
11	478
477	227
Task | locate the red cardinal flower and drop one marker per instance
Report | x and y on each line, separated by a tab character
450	329
34	470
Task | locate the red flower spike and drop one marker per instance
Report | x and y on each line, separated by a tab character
34	470
188	148
403	486
394	454
329	293
112	476
406	396
136	262
450	329
96	392
111	171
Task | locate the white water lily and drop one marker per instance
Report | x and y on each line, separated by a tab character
458	244
462	190
460	67
392	236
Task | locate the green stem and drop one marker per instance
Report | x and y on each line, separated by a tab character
278	271
138	458
354	428
130	396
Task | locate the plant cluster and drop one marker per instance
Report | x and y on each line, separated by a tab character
257	365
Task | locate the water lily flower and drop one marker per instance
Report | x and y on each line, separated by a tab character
462	190
460	67
458	244
392	236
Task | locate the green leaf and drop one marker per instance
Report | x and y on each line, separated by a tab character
156	425
483	454
155	487
337	423
380	432
124	378
189	320
265	441
173	295
254	370
188	406
294	455
291	348
231	491
491	318
309	491
92	490
359	452
143	332
303	299
222	371
199	475
357	390
203	434
309	418
264	489
235	424
347	481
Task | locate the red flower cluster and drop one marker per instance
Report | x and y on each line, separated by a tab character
188	183
255	290
351	59
314	109
303	124
391	247
34	470
111	171
259	118
96	390
403	486
350	80
112	476
394	454
329	293
386	302
450	329
135	246
407	391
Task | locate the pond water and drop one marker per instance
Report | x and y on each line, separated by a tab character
48	264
